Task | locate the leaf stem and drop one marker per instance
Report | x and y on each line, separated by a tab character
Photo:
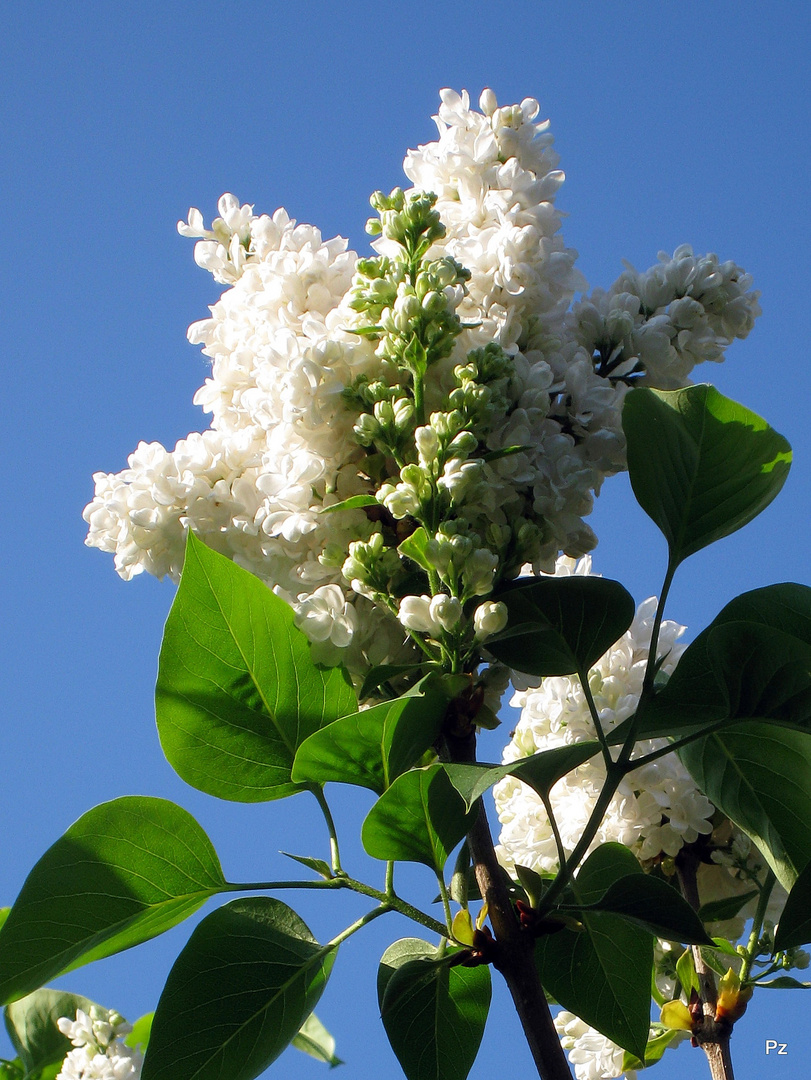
390	901
583	676
565	874
271	886
335	855
357	925
446	902
547	805
650	670
395	903
757	924
676	745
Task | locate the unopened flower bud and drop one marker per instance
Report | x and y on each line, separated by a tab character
445	611
489	618
488	102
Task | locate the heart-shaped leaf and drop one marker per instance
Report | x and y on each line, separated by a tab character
237	689
759	775
124	872
373	747
540	771
602	973
559	626
701	466
238	994
655	906
421	818
434	1013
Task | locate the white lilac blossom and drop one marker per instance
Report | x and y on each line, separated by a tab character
594	1056
100	1052
657	808
656	326
500	433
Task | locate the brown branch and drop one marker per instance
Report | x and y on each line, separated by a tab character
514	953
711	1034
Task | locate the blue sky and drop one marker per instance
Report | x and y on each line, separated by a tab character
675	123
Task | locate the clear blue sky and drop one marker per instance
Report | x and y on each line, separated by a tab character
675	122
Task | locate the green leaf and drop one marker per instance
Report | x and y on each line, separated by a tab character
784	982
701	466
794	927
785	607
540	771
413	547
759	775
141	1030
655	906
752	662
354	502
238	994
373	747
721	910
381	674
314	1039
31	1025
724	945
559	626
421	818
3	915
398	953
237	689
653	1052
434	1014
603	973
323	869
686	972
123	873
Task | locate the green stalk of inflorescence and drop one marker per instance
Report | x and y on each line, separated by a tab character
434	469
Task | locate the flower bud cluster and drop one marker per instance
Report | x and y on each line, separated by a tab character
410	303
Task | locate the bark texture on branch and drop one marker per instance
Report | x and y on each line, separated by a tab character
710	1034
514	947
